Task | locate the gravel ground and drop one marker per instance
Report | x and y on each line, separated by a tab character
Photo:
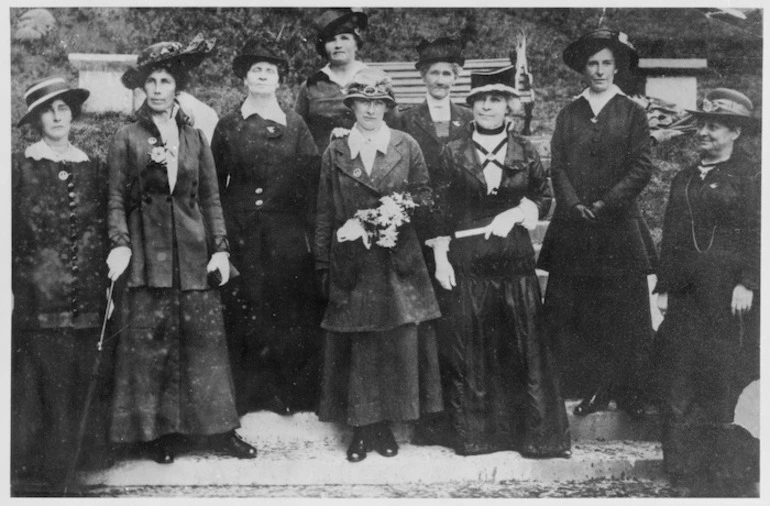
592	488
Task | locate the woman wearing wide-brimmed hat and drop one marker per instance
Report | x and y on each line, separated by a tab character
708	290
320	100
59	242
598	250
268	167
167	234
502	391
375	369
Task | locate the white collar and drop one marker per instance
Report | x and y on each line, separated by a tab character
356	66
434	102
40	150
379	141
272	112
597	102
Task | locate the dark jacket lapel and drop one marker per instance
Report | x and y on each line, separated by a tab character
353	168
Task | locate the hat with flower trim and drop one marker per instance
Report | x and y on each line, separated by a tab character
724	104
167	55
370	84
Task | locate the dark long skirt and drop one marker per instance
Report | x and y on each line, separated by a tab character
601	328
707	358
51	375
371	377
172	371
503	391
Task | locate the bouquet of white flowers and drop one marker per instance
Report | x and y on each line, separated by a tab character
382	223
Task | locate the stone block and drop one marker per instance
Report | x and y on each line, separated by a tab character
100	74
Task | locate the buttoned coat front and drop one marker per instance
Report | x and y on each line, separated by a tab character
418	123
146	216
378	288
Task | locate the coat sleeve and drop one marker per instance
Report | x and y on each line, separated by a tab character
565	192
208	192
324	214
119	185
220	150
638	162
749	274
538	191
302	104
666	267
307	153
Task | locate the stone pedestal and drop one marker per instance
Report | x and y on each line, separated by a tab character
100	74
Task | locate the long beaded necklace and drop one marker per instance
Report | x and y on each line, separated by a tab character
692	220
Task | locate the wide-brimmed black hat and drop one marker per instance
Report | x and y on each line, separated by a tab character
42	92
576	55
730	106
256	51
370	84
333	22
501	80
168	55
443	49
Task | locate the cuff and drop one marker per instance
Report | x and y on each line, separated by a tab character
439	244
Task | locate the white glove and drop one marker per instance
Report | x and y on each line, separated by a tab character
220	260
662	303
743	298
445	273
117	261
352	230
338	132
503	223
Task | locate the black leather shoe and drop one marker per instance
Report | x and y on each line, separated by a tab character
161	452
233	445
386	443
632	405
359	446
597	401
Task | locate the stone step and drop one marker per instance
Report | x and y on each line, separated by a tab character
324	463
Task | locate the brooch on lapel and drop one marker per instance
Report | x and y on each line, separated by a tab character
152	140
357	173
713	185
63	175
456	123
271	129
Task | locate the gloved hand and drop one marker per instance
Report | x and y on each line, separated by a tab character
662	303
220	261
597	208
117	261
503	223
581	211
352	230
445	273
743	298
322	278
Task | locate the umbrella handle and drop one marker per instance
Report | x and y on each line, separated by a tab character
106	315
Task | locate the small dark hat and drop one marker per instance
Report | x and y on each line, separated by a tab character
255	51
42	92
724	104
333	22
167	55
501	80
576	55
443	49
370	84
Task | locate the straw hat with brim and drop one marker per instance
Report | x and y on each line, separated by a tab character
496	81
576	55
167	55
443	49
728	106
255	51
333	22
370	84
41	93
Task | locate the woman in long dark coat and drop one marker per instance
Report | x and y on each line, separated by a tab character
166	227
597	250
268	166
59	242
708	289
375	369
502	388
